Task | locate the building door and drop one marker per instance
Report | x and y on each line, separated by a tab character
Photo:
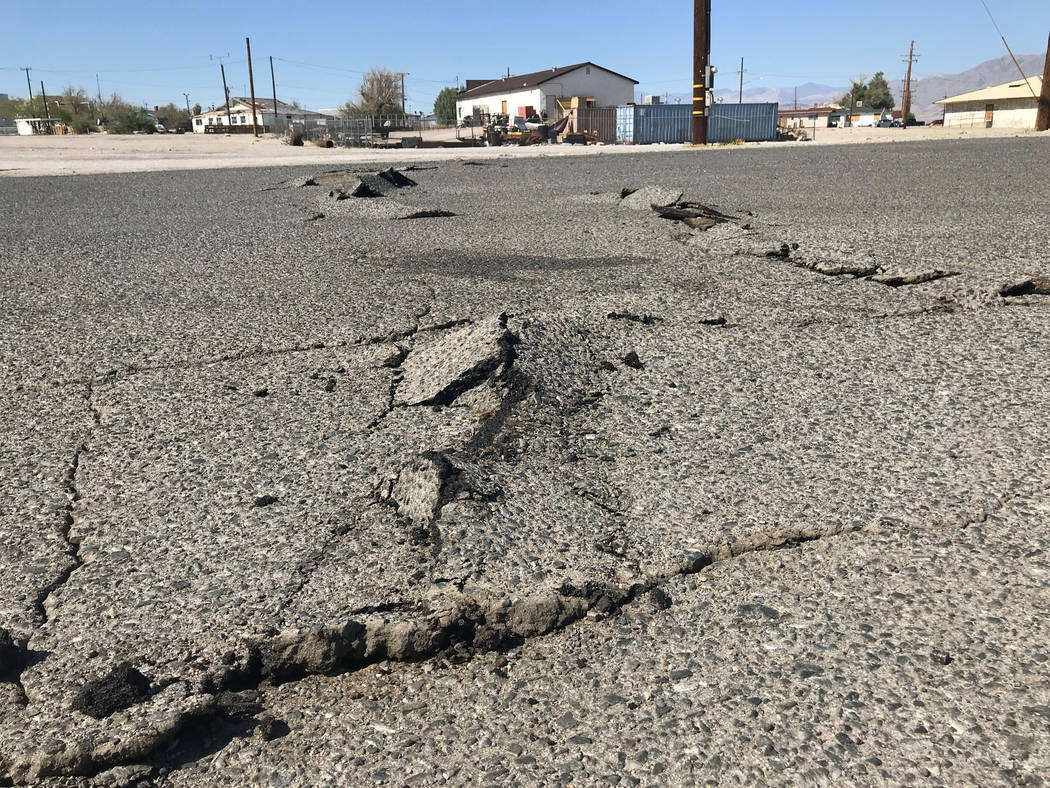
503	111
989	114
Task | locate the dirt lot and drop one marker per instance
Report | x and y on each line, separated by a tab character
21	156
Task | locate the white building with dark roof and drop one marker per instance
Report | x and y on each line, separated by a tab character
540	91
240	115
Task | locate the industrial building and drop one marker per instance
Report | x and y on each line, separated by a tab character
1012	105
538	92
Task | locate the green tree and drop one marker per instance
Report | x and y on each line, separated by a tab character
445	106
857	93
874	93
174	117
878	93
74	109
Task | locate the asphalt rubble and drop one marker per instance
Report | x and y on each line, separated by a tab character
633	478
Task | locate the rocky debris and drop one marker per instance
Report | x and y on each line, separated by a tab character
632	360
649	197
857	269
122	687
912	278
460	360
794	134
12	655
783	252
1035	285
713	321
645	320
420	489
346	185
692	214
428	214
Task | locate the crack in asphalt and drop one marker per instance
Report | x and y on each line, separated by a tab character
71	548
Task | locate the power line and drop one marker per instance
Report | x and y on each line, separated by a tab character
1019	69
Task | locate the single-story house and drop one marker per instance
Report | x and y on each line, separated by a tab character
1011	105
857	116
538	92
240	115
793	118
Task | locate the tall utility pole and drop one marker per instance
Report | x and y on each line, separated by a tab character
273	84
1042	116
906	99
740	100
29	84
44	95
796	98
251	82
98	86
188	112
701	63
403	91
226	95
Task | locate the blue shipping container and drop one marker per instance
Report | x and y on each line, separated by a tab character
645	124
747	122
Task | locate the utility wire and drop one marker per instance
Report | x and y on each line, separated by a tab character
1023	75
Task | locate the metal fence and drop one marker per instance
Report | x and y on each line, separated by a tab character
598	121
353	132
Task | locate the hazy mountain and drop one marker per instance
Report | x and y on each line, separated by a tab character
925	89
934	87
808	94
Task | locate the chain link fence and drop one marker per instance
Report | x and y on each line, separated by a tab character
354	132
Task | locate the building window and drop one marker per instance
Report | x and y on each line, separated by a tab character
198	121
588	70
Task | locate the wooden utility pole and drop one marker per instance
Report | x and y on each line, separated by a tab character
30	85
403	91
273	84
43	95
701	64
740	100
1042	116
906	98
226	95
251	83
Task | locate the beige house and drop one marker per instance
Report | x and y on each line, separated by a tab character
1011	105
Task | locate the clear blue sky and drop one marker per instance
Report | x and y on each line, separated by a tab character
151	52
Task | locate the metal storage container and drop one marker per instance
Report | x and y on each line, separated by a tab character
644	124
747	122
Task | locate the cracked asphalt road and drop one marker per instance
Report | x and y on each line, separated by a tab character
551	490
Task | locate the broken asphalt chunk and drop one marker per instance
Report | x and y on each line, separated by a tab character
632	360
122	687
646	320
12	655
839	267
649	197
457	362
1036	285
912	278
428	214
265	500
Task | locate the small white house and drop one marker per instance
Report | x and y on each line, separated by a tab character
540	91
240	115
1012	105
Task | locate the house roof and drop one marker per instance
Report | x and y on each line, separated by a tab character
1008	90
261	105
790	113
525	81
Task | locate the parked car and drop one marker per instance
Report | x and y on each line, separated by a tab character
938	122
914	122
886	123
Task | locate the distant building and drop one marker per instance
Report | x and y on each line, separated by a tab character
538	92
793	118
1012	105
240	116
